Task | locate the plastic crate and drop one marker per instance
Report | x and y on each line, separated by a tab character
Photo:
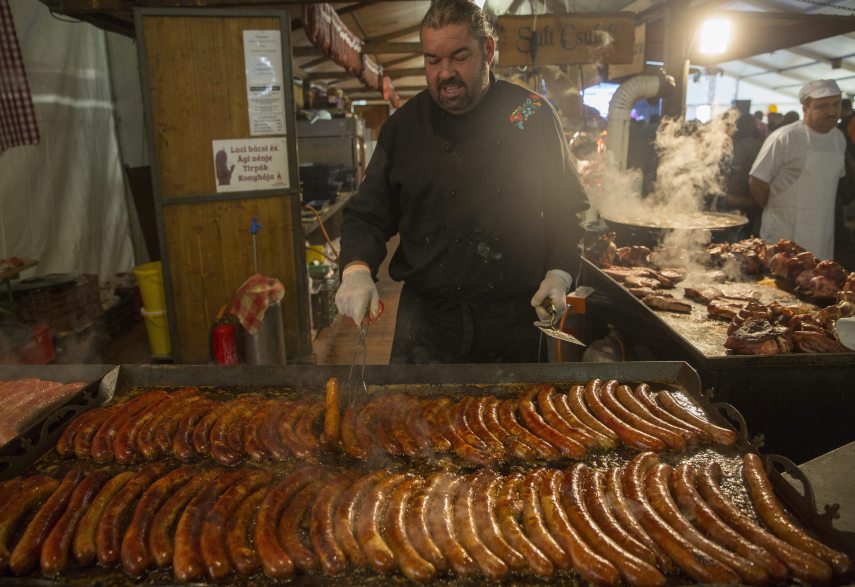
120	317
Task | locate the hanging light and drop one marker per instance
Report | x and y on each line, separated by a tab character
715	36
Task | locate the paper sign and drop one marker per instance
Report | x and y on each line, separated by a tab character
250	164
262	52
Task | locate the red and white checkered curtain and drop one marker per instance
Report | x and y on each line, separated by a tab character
17	116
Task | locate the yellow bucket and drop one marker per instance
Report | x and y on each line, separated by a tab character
150	279
315	253
157	329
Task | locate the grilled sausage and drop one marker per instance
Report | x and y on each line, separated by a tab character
102	442
485	485
25	556
332	412
561	402
509	442
587	562
412	565
289	527
417	522
642	394
83	437
597	501
135	555
575	401
202	430
683	481
349	443
566	445
718	434
182	442
460	446
634	570
462	426
239	531
186	560
596	395
345	516
332	559
275	562
623	509
226	437
802	565
253	446
146	442
659	493
508	510
619	398
773	515
364	431
169	425
308	440
371	513
161	545
83	546
694	562
268	432
431	409
380	424
417	426
124	443
23	497
396	422
65	442
630	401
54	555
464	523
111	526
508	420
535	524
442	528
545	399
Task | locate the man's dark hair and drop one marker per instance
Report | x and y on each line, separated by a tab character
448	12
758	115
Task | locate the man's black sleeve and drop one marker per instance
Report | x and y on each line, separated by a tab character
564	198
371	217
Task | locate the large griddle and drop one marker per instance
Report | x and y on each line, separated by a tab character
423	381
801	402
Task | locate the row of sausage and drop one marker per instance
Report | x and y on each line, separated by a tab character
540	424
636	524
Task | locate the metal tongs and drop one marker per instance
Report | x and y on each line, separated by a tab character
549	328
356	387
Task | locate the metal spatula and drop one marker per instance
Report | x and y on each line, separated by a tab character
549	328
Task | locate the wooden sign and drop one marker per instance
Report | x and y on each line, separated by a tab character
618	71
553	39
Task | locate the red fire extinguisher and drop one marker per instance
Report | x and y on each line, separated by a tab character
224	340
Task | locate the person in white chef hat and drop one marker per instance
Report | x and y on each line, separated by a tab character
796	174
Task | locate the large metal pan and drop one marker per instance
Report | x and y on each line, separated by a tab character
649	232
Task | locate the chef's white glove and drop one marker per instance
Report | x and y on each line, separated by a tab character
555	286
357	293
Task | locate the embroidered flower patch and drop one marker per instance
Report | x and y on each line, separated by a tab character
525	110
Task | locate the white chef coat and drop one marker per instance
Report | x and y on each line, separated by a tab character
802	168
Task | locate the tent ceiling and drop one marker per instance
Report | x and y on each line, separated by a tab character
390	30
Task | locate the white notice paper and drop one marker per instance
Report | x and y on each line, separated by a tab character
250	164
262	51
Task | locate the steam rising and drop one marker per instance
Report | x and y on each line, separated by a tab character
689	169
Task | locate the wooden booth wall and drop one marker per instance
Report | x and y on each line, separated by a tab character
195	84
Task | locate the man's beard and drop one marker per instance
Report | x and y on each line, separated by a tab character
467	99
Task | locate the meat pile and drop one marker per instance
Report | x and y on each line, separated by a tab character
749	253
541	424
633	524
811	278
25	401
636	269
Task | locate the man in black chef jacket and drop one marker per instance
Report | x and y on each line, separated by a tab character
475	176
